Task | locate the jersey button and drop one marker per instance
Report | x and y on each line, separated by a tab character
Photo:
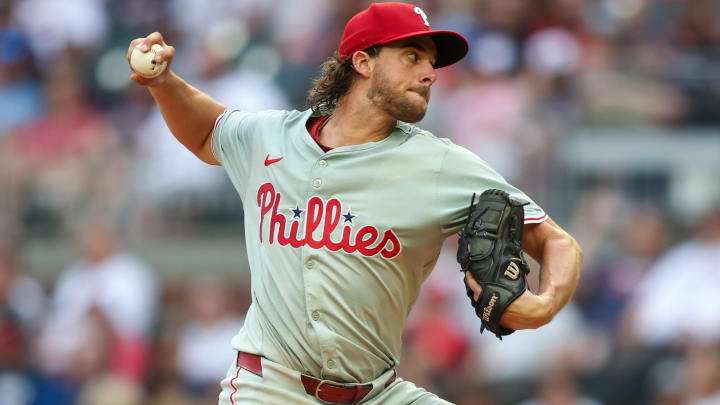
315	315
310	264
322	163
331	363
317	183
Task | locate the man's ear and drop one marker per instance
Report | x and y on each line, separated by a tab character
363	63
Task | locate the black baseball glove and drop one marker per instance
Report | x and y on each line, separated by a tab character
490	248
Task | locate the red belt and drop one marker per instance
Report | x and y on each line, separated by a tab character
326	390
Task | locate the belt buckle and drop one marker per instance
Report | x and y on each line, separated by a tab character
318	389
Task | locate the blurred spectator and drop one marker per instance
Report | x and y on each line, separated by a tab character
193	19
617	81
466	391
525	353
557	387
507	16
611	280
436	342
22	310
493	112
204	351
69	159
679	298
689	376
490	116
166	386
88	361
599	213
20	294
497	40
612	95
109	284
16	385
137	16
445	286
304	41
701	374
106	389
696	58
565	14
57	26
20	95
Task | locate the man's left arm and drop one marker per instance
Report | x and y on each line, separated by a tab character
560	258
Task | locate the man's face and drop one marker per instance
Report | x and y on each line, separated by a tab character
403	74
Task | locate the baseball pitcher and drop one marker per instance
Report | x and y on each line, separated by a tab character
347	205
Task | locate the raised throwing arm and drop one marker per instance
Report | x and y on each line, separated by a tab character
189	113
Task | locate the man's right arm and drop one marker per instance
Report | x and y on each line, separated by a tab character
189	113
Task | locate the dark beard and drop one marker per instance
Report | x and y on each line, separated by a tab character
396	104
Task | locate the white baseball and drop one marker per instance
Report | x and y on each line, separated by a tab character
143	63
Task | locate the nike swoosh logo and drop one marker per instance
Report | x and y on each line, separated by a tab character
269	161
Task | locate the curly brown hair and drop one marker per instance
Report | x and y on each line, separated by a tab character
336	78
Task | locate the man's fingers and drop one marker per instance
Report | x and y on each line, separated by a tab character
136	78
154	38
166	54
474	286
133	44
139	79
144	44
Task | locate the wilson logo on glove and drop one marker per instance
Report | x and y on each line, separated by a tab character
488	309
513	271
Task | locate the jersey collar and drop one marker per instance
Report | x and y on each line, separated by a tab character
399	135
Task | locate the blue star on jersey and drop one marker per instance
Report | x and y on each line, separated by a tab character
349	217
296	212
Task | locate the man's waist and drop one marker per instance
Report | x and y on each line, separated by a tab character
325	389
307	358
365	368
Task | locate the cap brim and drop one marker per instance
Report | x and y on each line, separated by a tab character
451	46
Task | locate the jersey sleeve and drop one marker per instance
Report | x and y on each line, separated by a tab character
232	144
230	136
463	173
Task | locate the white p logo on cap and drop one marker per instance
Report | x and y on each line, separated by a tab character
418	10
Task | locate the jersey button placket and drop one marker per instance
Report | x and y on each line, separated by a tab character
313	279
313	301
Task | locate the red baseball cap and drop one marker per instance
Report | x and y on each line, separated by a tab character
386	22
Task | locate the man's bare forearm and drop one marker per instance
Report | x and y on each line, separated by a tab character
189	113
560	272
561	258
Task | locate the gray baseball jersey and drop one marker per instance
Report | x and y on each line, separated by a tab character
339	242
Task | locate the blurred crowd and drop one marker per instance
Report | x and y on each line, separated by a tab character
85	156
